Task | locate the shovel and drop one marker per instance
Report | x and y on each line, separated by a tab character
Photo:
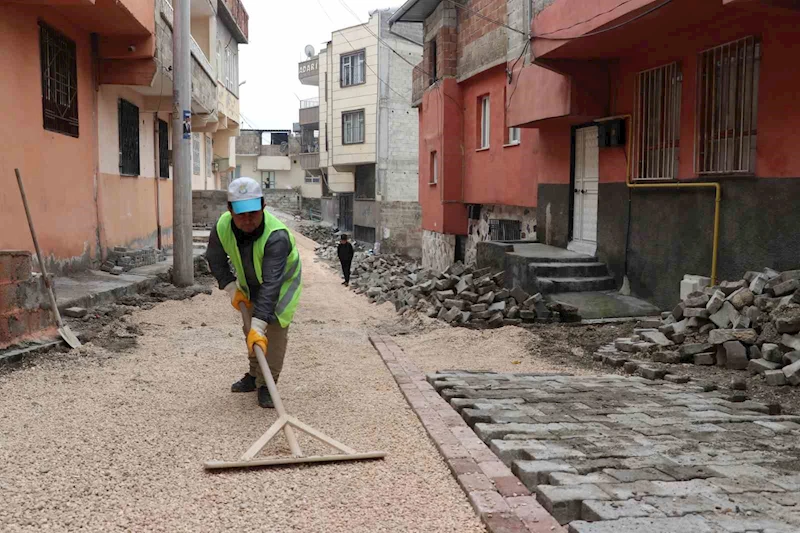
63	329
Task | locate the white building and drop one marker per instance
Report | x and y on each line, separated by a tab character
271	157
360	135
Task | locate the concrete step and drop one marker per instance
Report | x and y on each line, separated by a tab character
568	270
577	284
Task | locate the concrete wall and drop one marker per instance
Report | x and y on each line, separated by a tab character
366	213
59	171
207	206
479	229
330	209
482	44
438	250
286	200
401	228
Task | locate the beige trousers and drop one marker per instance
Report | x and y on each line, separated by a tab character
276	350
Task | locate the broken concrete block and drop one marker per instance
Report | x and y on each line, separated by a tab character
705	359
792	373
788	324
561	307
461	286
725	316
451	315
677	312
527	316
691	284
759	366
519	295
786	287
469	296
790	358
513	312
445	284
715	302
444	295
741	298
729	287
754	352
117	270
775	378
691	349
719	336
496	320
487	298
656	337
679	327
735	355
758	284
75	312
498	306
465	316
696	301
771	352
771	273
696	312
478	308
707	327
531	301
721	356
791	341
502	294
458	304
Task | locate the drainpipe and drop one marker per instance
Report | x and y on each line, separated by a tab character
156	139
717	198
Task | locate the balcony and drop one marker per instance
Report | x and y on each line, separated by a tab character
234	15
419	82
309	113
272	150
309	161
308	72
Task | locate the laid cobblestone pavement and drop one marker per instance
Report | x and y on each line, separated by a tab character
616	454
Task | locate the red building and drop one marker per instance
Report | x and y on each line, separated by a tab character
632	115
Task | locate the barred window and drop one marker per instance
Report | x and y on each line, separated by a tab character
727	107
353	69
59	81
163	149
505	230
657	123
353	127
128	138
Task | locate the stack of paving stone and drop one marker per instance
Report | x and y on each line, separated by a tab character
752	324
121	259
462	295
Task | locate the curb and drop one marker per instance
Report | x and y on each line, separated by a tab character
499	498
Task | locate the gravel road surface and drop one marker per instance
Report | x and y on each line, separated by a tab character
104	441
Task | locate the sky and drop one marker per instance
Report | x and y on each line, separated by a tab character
279	32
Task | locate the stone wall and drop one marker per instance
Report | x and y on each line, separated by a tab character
248	142
24	304
438	250
401	228
479	229
207	206
287	200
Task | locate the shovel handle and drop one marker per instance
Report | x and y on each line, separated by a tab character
245	316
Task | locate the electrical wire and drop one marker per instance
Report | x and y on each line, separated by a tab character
545	36
488	19
511	73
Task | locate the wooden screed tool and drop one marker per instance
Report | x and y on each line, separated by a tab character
288	424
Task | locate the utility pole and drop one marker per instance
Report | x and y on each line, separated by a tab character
183	261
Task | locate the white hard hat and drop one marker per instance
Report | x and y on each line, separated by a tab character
245	195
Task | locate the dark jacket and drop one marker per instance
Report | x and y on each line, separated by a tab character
263	295
345	252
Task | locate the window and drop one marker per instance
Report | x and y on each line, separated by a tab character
128	138
505	230
59	81
433	58
727	107
209	157
196	154
228	66
163	149
485	125
434	169
657	111
364	234
353	69
353	127
513	135
268	179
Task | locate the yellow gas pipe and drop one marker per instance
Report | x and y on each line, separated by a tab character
716	186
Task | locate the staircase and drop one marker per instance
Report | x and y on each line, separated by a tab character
578	273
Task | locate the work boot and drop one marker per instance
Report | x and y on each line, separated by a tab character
264	398
246	384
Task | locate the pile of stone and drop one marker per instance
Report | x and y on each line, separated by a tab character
461	295
751	324
121	259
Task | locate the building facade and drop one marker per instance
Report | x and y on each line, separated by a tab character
272	158
360	134
630	117
92	97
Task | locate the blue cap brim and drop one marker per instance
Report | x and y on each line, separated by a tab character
246	206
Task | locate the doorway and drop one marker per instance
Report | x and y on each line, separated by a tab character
586	179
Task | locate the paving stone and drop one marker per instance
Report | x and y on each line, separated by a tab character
695	348
792	373
791	341
759	366
675	378
75	312
639	474
682	506
565	502
674	489
594	510
533	473
566	478
735	355
696	312
704	359
652	373
790	357
772	352
656	337
686	473
725	316
685	524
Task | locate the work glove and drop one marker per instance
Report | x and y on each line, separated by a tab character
237	296
257	336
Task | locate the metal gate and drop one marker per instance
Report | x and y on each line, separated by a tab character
346	212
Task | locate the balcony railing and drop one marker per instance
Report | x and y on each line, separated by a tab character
309	161
419	82
310	102
240	17
309	116
273	149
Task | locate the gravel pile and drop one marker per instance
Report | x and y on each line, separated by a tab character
99	440
752	324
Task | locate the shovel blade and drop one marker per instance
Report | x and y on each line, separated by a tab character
69	337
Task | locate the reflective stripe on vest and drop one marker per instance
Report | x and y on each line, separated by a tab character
291	283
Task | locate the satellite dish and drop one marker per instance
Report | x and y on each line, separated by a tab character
309	51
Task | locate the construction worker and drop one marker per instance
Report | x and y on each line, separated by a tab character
266	277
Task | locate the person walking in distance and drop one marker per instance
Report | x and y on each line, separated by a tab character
346	253
266	277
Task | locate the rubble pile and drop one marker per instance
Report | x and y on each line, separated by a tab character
121	259
328	237
462	295
752	324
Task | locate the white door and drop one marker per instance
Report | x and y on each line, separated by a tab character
585	192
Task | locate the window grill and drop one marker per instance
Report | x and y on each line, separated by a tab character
505	230
353	69
353	127
163	149
727	107
657	123
59	81
364	234
128	138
